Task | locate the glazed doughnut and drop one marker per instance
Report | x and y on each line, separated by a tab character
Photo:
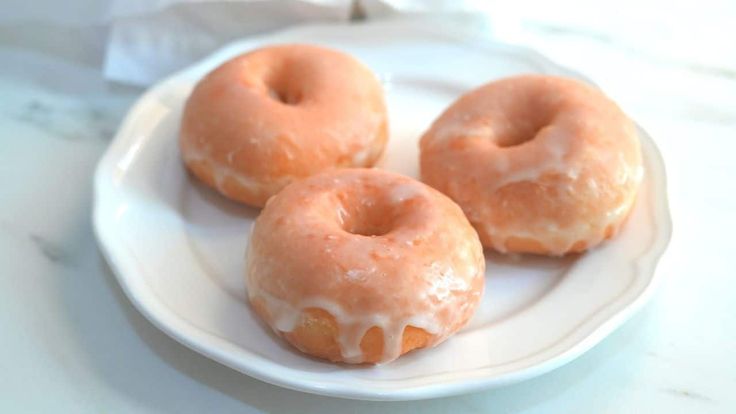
363	265
268	117
539	164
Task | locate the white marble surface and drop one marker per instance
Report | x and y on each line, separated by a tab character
71	342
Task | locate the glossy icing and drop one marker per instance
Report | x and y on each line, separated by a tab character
372	248
280	113
548	164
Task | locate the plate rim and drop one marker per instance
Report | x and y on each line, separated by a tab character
123	264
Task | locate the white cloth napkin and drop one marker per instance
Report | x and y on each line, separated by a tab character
151	39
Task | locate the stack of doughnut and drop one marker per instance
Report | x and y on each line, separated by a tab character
359	265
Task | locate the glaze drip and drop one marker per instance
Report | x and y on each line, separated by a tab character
426	271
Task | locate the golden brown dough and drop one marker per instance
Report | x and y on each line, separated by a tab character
280	113
539	164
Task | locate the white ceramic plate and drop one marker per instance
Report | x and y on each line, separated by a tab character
177	247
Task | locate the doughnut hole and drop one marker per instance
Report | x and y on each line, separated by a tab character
317	331
362	212
281	85
281	94
530	118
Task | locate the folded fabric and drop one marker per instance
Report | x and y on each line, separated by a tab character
151	39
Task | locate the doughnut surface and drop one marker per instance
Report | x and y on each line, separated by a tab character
276	114
363	265
539	164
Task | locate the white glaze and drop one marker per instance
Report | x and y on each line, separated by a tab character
353	327
405	287
404	192
584	156
582	231
221	173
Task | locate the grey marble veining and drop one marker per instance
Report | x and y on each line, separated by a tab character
69	123
73	343
52	251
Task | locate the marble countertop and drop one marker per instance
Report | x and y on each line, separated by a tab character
71	342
